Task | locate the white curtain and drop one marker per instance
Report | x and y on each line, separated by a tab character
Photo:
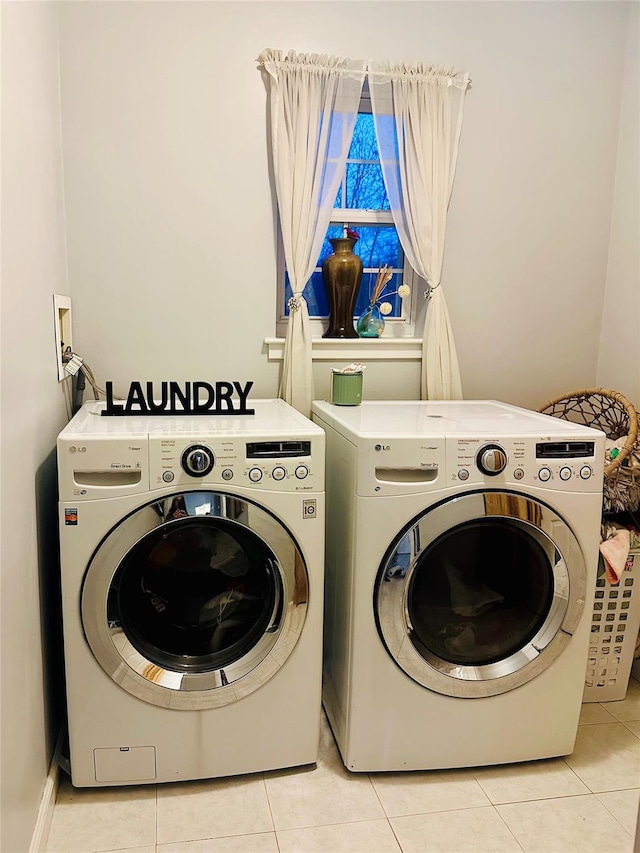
314	102
418	117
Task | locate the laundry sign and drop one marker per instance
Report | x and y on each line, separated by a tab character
174	398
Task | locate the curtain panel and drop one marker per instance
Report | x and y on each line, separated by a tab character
313	104
417	112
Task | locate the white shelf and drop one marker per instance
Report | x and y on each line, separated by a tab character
354	349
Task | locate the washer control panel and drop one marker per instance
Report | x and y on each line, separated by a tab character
399	465
566	465
283	465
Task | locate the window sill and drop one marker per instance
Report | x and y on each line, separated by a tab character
354	349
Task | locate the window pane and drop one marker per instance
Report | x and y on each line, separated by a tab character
378	245
364	145
365	187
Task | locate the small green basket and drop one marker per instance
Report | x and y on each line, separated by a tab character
346	389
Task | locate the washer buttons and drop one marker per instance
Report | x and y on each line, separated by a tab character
544	474
463	474
227	474
255	475
518	474
302	471
168	476
279	473
565	473
585	472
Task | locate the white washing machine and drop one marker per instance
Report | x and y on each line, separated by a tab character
462	542
192	553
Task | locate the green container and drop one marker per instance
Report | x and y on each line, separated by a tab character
346	389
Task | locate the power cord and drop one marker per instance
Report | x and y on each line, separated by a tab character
80	373
75	366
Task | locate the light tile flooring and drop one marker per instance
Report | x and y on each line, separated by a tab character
585	802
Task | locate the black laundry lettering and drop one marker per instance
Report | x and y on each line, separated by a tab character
112	408
243	393
206	406
197	398
136	398
183	396
162	405
224	390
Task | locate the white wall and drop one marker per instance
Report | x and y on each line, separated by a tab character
619	361
171	215
33	410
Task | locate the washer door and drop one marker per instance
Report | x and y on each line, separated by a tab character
195	600
480	594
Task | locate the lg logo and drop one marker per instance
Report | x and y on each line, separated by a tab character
382	447
74	449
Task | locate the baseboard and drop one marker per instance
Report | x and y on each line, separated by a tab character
48	801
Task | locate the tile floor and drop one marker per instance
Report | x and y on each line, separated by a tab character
585	802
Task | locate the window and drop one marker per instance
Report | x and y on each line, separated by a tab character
363	205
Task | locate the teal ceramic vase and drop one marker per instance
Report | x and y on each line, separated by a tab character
371	322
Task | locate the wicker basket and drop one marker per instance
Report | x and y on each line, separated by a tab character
612	413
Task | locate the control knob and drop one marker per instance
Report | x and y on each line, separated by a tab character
197	460
491	459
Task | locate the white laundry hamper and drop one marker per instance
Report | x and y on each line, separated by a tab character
614	632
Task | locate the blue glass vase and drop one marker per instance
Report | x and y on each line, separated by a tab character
371	322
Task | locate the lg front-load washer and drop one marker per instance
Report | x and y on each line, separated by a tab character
461	565
192	553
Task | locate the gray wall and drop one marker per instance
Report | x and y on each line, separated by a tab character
33	409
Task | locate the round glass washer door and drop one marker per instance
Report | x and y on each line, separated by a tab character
480	594
195	600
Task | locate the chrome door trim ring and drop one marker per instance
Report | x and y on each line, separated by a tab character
391	602
152	683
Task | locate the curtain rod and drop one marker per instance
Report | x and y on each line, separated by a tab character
460	79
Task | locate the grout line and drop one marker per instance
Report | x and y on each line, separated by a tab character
509	830
445	811
395	835
384	811
637	734
611	813
273	823
576	774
